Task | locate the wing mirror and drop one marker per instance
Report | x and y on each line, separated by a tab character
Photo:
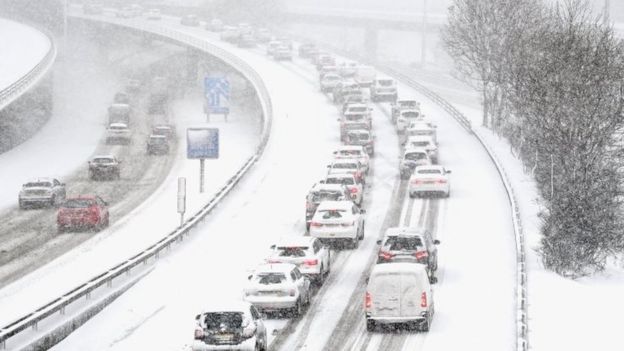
249	277
436	242
378	242
197	317
363	211
273	247
448	171
322	182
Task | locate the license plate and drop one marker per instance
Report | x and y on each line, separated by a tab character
224	337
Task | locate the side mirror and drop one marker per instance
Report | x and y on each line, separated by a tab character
105	203
436	242
328	166
322	182
249	276
378	242
197	317
363	211
273	247
367	279
448	171
433	280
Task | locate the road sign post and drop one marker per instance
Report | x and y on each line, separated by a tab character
217	93
181	198
202	143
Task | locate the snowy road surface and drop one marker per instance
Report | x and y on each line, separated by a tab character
476	254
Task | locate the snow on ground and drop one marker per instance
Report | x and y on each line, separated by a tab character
17	59
148	222
213	264
477	284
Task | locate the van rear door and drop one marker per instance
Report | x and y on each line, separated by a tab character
413	285
386	295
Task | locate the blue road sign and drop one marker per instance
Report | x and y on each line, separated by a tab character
217	91
202	143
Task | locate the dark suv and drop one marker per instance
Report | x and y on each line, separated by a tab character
105	166
410	244
324	192
157	145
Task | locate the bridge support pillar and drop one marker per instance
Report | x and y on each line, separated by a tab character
371	38
192	65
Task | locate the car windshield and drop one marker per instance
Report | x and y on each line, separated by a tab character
349	153
358	137
419	143
270	278
38	185
332	213
78	203
326	196
230	320
415	156
429	171
296	251
407	104
401	243
345	181
386	82
356	125
160	141
117	127
358	109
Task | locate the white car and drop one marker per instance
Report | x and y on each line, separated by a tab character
215	25
406	117
429	180
348	165
362	137
278	286
404	105
118	133
154	14
231	325
307	253
411	159
424	141
384	89
338	221
329	82
347	69
42	191
422	128
358	108
347	152
283	52
322	192
229	33
355	187
272	46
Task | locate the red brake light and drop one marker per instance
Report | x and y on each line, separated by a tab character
368	300
421	254
386	255
199	334
348	224
315	224
292	292
353	190
272	260
312	262
417	181
442	181
423	300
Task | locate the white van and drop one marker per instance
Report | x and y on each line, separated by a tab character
399	293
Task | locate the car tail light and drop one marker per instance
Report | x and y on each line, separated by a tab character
417	181
386	255
292	292
421	254
423	299
312	262
315	224
442	181
272	260
309	205
199	333
348	224
368	300
353	190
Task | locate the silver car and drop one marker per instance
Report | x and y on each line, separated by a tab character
42	191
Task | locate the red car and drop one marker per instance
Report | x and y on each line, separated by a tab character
85	211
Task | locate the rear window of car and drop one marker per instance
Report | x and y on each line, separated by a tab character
429	171
325	196
103	160
386	82
354	117
292	251
230	320
78	203
419	143
407	104
345	181
411	114
270	278
332	213
401	243
415	156
350	152
358	109
345	165
38	185
358	137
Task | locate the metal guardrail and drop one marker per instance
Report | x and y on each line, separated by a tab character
57	305
522	328
13	91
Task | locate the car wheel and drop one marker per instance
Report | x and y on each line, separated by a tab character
22	206
53	202
298	309
320	279
362	232
107	221
412	195
355	242
448	194
425	325
370	325
60	229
